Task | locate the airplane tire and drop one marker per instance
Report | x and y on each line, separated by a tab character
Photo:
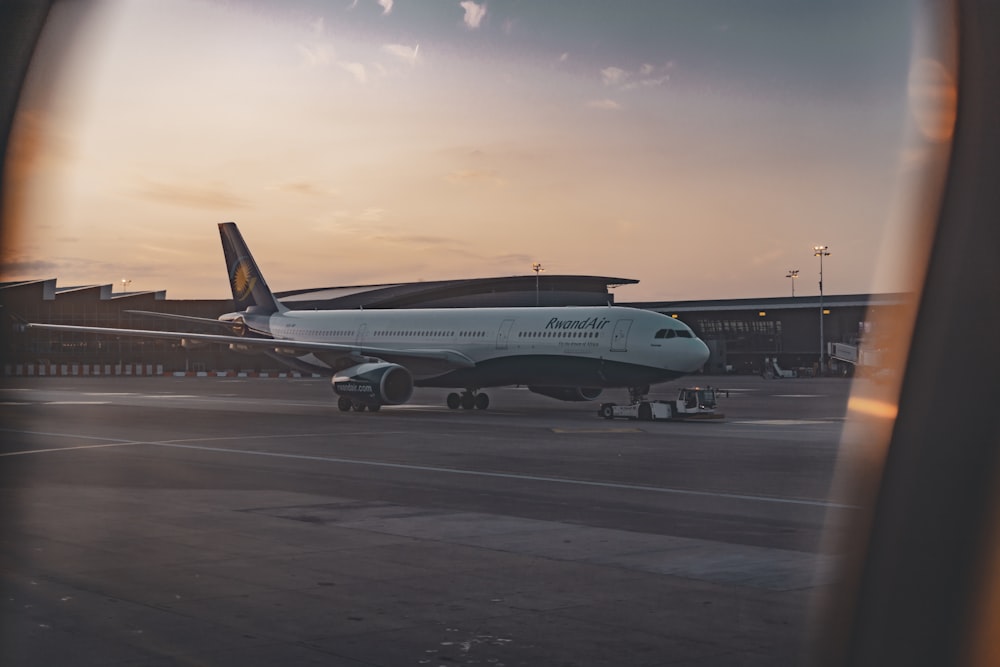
454	401
645	412
360	407
468	401
607	411
482	401
375	407
344	404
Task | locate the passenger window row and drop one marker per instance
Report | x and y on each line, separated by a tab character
558	334
317	332
422	334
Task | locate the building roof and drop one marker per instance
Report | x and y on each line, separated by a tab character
783	303
500	291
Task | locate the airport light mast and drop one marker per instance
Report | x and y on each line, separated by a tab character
821	252
537	268
793	274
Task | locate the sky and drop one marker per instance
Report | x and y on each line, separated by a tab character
703	147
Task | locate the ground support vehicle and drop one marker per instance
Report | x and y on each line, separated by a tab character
692	403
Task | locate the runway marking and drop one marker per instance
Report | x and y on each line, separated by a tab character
787	422
798	395
597	430
67	449
75	402
179	444
115	442
505	475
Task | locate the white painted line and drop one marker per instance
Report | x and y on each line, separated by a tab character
69	449
503	475
799	395
76	403
178	444
787	422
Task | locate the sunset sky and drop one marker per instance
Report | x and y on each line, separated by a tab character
702	146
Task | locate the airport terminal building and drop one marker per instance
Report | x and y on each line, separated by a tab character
744	335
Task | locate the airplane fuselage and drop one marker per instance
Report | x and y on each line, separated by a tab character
566	346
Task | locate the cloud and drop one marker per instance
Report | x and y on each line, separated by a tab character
474	13
305	188
613	76
474	177
372	214
646	76
316	54
386	6
405	53
511	259
606	104
417	239
210	196
21	266
356	69
83	270
767	257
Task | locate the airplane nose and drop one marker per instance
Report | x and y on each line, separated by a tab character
699	354
693	357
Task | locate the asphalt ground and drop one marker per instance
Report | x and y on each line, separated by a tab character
226	521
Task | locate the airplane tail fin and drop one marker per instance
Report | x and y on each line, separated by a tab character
250	292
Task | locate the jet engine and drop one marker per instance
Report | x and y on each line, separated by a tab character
568	393
374	383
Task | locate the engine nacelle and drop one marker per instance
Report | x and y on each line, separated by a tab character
568	393
374	383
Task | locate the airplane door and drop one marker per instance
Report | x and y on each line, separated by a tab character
362	332
619	339
503	334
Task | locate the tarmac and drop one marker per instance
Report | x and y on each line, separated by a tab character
246	521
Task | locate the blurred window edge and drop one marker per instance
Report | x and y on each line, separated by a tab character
924	583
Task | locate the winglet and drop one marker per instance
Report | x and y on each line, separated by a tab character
250	291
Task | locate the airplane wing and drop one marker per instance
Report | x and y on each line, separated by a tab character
437	358
206	321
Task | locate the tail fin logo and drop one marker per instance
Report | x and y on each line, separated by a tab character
242	279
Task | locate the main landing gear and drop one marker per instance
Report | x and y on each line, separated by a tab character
468	399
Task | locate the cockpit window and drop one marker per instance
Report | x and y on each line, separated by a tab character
665	333
684	333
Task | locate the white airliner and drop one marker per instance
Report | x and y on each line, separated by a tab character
376	357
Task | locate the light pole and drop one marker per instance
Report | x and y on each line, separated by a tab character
537	268
793	274
125	283
821	252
